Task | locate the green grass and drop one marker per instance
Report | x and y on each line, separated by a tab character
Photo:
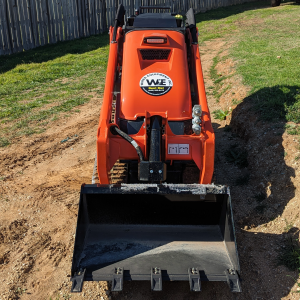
259	34
220	114
292	129
220	22
288	226
43	84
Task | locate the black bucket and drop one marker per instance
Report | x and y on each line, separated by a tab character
155	232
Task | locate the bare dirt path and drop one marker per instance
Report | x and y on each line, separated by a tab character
39	193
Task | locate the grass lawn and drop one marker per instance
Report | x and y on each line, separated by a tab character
267	52
47	83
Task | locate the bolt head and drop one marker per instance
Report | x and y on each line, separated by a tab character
196	120
197	111
196	129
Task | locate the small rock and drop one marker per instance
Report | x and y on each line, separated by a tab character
278	56
65	140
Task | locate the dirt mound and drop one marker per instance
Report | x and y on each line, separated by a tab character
40	182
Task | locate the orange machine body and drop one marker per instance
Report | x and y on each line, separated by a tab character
175	70
134	101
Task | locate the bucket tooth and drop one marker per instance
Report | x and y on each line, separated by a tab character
117	281
233	280
156	279
194	279
78	280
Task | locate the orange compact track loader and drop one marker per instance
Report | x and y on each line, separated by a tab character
155	215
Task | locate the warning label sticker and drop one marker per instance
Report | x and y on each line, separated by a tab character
178	149
156	84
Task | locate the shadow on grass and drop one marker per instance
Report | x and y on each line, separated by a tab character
228	11
224	12
50	52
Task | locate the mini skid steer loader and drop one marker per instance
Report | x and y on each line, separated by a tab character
162	219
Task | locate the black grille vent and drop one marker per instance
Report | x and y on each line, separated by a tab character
155	54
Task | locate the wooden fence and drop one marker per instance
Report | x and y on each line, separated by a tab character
26	24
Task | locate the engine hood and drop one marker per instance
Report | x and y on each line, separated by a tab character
155	76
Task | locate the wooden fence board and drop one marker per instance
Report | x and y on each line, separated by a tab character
71	19
92	16
71	10
103	15
51	29
22	24
55	21
86	16
34	24
66	20
59	20
45	22
4	28
80	18
17	27
40	22
28	28
10	17
83	8
75	18
97	17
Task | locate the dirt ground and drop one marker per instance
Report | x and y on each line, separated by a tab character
39	193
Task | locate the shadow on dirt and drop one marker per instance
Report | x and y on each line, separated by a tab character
50	52
251	157
260	120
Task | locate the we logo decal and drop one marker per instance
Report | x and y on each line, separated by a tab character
156	84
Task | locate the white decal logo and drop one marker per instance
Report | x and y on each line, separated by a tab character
156	84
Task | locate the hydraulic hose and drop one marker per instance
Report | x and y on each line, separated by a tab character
116	131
